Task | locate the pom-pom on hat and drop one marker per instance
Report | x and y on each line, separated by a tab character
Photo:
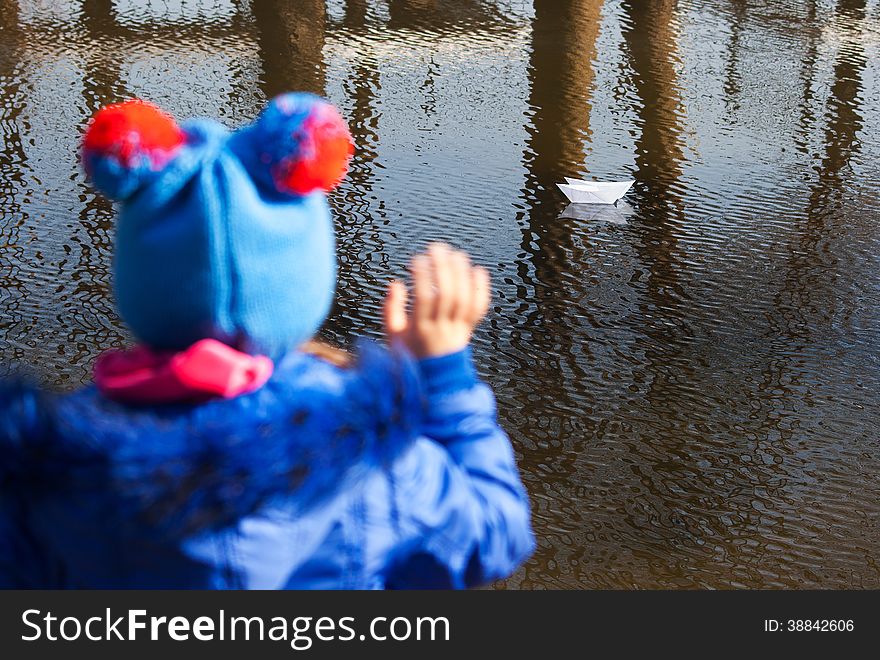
127	143
222	235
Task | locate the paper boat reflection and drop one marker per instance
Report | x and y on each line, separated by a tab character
594	192
614	215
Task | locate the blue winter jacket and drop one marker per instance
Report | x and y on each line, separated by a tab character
387	475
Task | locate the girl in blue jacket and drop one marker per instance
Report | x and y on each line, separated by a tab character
225	451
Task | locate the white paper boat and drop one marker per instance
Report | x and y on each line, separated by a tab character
594	192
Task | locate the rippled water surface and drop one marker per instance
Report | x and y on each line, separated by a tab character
691	379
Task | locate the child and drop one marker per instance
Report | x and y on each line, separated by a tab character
220	455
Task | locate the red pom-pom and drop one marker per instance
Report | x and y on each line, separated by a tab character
325	153
130	130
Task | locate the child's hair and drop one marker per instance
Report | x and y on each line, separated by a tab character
332	354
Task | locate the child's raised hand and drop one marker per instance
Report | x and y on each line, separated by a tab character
450	297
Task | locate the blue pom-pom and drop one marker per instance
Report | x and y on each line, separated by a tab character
125	144
114	179
299	144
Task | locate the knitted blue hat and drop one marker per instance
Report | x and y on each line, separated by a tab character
222	235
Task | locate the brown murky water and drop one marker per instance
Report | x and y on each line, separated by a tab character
692	380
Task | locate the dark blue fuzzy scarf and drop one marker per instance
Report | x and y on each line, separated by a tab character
187	469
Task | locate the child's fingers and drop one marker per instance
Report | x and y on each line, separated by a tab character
482	287
462	292
443	279
395	309
423	287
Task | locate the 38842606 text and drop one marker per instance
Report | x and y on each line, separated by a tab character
809	625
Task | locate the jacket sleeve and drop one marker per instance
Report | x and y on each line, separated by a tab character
463	514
